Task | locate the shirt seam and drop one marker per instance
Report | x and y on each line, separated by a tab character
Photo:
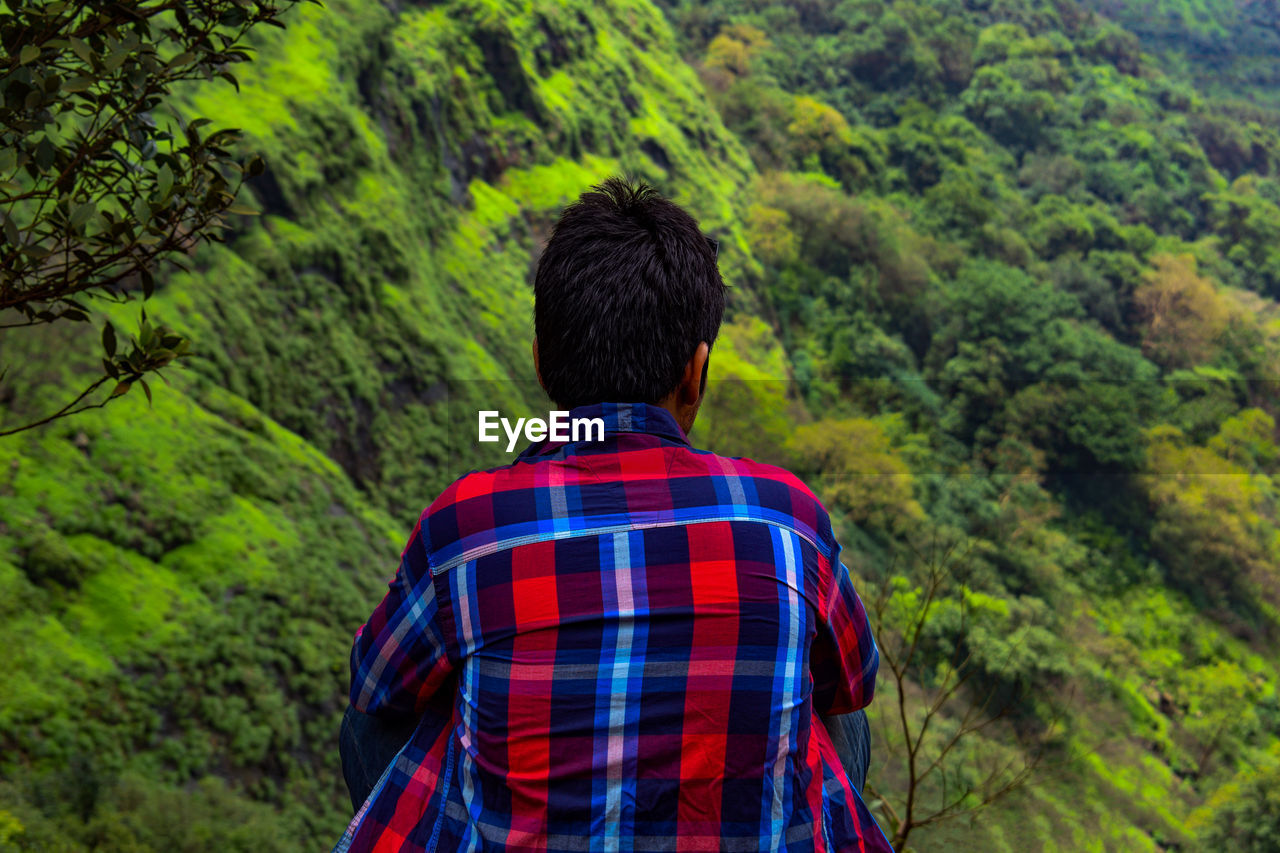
444	795
604	530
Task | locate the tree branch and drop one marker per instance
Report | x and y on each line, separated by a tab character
68	409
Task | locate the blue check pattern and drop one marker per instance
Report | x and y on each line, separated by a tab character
618	645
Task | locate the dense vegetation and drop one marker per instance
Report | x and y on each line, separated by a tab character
1005	274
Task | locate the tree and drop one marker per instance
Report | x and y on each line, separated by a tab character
735	48
924	623
770	235
1213	519
1015	115
99	183
1182	313
854	461
815	126
1247	219
1245	814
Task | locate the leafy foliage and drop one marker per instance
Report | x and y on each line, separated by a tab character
1245	815
95	191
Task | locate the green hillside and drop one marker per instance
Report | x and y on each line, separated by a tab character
1004	275
1229	47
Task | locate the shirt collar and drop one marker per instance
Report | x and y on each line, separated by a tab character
618	418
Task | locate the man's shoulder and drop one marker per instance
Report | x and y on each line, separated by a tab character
480	486
760	472
775	489
508	496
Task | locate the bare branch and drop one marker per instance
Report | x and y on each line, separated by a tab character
934	791
68	409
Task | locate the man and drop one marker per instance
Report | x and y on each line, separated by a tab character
617	644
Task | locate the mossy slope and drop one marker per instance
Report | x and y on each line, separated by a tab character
185	578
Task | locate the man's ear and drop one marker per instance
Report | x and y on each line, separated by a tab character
693	383
537	371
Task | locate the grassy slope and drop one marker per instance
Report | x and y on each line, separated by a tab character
1229	47
418	171
185	579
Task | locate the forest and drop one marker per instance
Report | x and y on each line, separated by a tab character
1004	281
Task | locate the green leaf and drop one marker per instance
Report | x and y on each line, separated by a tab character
28	54
229	77
115	59
77	84
141	211
45	154
164	181
121	388
109	339
146	389
81	49
82	213
242	209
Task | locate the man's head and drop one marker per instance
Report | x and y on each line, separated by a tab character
627	302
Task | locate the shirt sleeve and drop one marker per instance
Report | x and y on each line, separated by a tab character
844	658
401	660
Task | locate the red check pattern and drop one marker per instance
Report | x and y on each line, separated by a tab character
618	645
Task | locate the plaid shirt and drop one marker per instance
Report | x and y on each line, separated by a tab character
618	645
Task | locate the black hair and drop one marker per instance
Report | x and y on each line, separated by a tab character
626	289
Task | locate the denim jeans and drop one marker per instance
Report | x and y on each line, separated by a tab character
369	744
851	736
